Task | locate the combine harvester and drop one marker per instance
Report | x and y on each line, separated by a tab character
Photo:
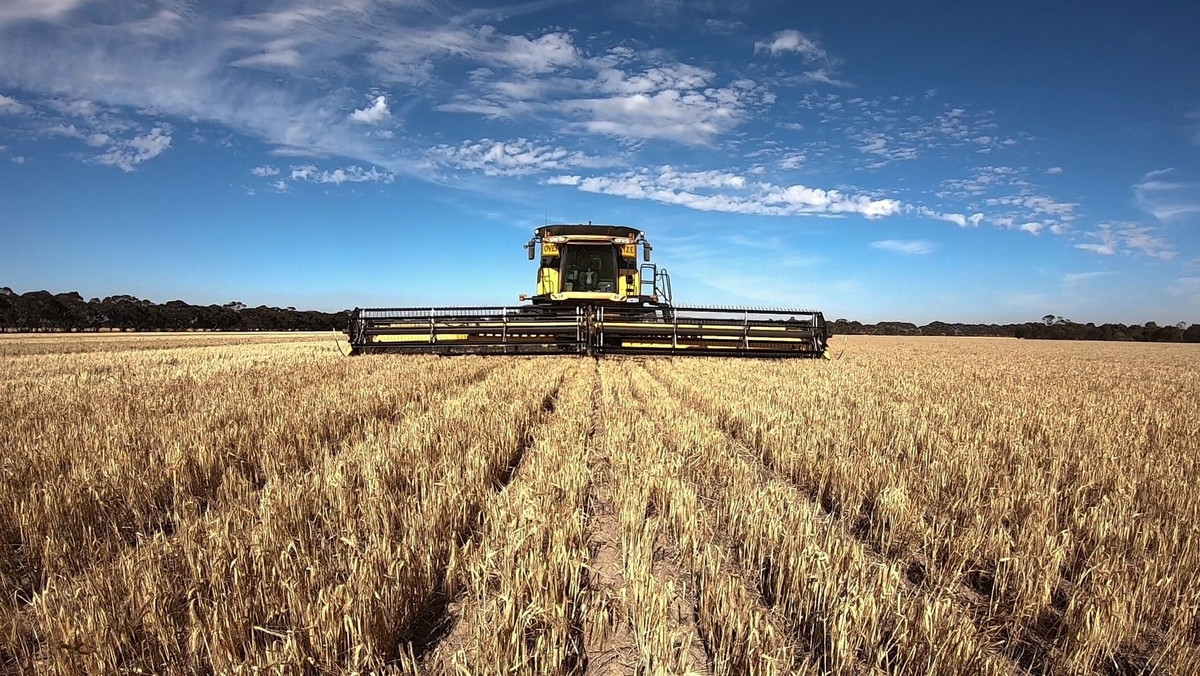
593	298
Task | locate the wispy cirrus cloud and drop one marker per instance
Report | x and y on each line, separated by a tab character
1127	238
18	11
907	247
620	94
1168	197
1075	278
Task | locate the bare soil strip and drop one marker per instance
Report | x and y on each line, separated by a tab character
608	635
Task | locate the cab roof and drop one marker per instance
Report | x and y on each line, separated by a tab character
602	230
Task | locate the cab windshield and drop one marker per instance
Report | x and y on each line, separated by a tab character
589	267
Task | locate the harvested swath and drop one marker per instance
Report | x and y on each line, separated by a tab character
739	633
519	584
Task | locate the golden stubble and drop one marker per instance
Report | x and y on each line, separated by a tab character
194	505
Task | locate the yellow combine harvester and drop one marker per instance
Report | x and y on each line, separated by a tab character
594	298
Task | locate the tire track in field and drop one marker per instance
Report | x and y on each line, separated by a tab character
658	570
608	638
912	579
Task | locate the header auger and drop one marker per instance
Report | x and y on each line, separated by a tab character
593	298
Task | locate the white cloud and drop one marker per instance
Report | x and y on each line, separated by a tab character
1127	238
1072	278
1167	197
18	159
1185	287
564	180
691	118
731	193
265	170
823	66
126	154
1032	213
11	106
824	76
1054	171
540	55
377	112
309	173
661	99
13	11
961	220
908	247
792	161
983	180
792	41
518	157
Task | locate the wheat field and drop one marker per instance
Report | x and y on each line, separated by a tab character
235	505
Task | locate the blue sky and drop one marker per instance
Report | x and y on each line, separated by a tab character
875	160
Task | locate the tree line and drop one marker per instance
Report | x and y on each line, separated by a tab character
44	311
1050	328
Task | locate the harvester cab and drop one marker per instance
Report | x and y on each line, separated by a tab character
595	264
592	297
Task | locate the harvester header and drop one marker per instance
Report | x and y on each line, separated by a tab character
594	296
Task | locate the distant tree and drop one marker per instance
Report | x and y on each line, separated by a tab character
1048	319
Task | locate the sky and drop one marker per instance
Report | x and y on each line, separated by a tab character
917	161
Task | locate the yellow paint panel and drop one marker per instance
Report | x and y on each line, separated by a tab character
547	281
418	339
